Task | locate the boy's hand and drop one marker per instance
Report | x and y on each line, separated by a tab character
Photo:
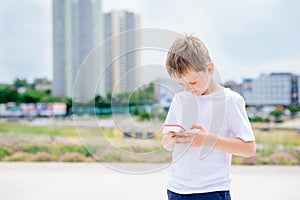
194	137
168	141
172	134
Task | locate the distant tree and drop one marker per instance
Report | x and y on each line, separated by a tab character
143	95
32	96
136	110
49	99
294	109
101	102
67	101
277	114
109	97
41	81
135	99
18	83
8	94
150	89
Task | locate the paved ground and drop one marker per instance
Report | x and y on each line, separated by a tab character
64	181
290	124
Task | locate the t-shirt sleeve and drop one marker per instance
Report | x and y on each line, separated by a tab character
171	116
239	124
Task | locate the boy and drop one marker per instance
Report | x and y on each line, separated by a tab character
215	121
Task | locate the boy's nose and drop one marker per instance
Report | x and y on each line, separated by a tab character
192	87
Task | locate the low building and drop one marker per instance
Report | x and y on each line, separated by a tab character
165	89
272	89
237	87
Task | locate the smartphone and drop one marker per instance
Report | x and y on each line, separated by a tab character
173	128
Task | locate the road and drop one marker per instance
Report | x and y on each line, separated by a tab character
89	181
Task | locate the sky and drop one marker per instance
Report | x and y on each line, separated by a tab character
244	37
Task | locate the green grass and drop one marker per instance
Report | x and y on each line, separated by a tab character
286	138
58	149
21	129
15	128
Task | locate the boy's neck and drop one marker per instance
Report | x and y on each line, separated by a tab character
213	87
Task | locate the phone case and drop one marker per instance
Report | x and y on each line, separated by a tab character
173	128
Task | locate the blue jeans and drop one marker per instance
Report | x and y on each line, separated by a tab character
220	195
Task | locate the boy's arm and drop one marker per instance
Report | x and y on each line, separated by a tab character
234	146
200	137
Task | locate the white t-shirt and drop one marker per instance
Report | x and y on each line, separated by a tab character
204	169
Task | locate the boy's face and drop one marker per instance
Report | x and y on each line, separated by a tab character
195	82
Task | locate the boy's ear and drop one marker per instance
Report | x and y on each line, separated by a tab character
210	68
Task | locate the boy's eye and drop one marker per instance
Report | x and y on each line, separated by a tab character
193	83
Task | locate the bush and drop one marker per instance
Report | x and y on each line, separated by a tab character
144	115
254	160
137	149
259	119
278	158
19	156
283	158
33	149
4	152
72	157
42	157
79	149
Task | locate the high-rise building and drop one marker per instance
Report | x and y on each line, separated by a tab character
297	95
272	89
77	29
61	49
122	57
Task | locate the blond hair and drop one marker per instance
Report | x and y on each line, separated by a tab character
185	54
